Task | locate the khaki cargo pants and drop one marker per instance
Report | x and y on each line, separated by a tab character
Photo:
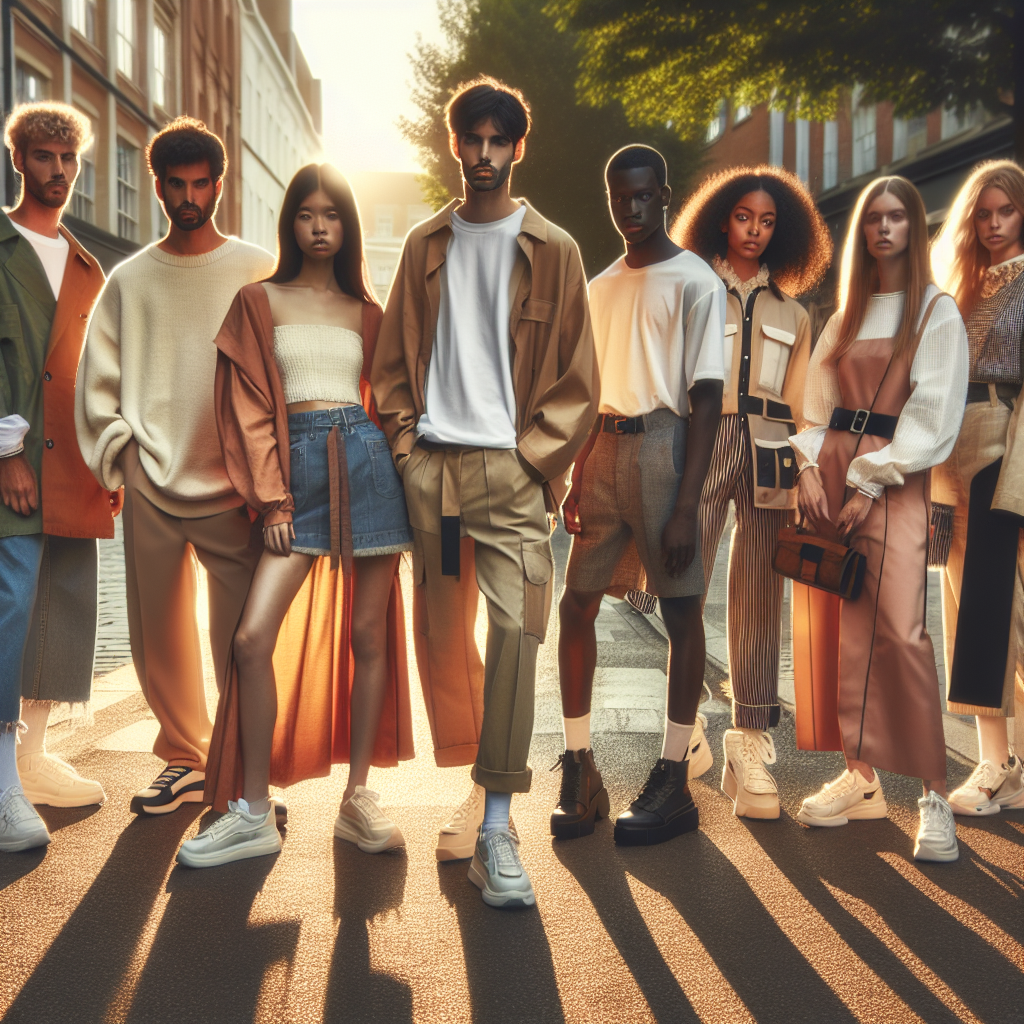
480	713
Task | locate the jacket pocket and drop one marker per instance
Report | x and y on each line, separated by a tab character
538	309
775	464
776	347
538	568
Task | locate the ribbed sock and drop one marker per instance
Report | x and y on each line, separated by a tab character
677	740
8	759
35	714
496	811
577	732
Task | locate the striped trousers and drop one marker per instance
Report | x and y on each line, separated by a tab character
755	589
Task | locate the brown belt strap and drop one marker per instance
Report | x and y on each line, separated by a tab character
341	511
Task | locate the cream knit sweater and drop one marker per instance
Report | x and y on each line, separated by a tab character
147	373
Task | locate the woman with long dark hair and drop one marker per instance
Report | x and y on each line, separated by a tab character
978	257
318	672
883	402
759	229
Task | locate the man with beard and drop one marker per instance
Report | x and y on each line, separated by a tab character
53	510
145	419
486	385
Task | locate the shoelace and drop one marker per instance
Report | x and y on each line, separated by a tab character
984	776
16	811
505	855
223	824
655	781
572	773
169	776
366	802
935	814
461	817
756	753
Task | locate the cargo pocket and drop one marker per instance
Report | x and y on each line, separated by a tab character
537	572
776	347
776	464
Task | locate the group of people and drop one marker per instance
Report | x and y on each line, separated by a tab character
269	419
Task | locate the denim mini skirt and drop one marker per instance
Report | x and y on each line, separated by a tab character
380	523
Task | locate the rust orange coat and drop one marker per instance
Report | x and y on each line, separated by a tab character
313	658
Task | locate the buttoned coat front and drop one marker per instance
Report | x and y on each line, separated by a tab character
41	341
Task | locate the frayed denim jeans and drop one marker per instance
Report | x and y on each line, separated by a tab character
20	558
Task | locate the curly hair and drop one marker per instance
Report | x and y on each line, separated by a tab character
36	122
801	247
185	141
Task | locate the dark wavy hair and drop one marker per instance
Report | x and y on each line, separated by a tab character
185	141
350	260
801	247
473	102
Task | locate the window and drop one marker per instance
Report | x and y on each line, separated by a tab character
776	127
127	191
803	150
741	113
161	68
830	156
30	85
909	136
126	38
956	121
83	199
864	157
385	217
83	18
717	126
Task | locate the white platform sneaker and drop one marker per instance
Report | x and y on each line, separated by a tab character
990	788
21	828
361	821
849	798
237	835
699	751
936	835
46	779
457	839
745	780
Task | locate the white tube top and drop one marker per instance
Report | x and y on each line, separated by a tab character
318	363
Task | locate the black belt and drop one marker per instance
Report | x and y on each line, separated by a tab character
978	392
764	407
862	421
622	424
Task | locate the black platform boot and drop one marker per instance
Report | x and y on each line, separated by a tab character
582	799
663	809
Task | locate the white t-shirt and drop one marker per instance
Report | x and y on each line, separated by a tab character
657	330
52	253
469	394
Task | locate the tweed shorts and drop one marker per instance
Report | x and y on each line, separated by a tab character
630	486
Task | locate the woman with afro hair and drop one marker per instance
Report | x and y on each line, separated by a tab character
759	229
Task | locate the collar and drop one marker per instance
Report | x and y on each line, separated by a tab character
723	268
998	277
534	224
8	231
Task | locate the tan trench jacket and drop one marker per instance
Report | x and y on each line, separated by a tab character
554	368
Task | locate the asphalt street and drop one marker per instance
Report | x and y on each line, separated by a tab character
741	921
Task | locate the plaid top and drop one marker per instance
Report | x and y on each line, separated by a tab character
995	326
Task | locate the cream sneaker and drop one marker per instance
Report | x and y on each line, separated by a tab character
457	840
989	788
936	836
21	828
745	780
361	821
46	779
237	835
848	798
699	751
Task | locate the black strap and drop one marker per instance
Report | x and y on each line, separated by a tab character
622	424
764	407
863	421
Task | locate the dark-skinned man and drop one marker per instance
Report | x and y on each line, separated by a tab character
486	384
145	418
659	318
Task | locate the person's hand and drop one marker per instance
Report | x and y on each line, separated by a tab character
679	541
811	499
278	538
18	486
855	511
571	510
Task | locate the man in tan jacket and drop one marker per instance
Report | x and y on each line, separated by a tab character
486	383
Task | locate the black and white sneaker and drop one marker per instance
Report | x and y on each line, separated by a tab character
176	785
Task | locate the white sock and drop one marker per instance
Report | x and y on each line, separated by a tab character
496	811
676	744
577	732
8	759
35	714
993	739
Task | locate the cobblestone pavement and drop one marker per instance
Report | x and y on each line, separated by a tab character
741	921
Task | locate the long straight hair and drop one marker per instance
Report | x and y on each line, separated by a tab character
959	260
858	274
350	260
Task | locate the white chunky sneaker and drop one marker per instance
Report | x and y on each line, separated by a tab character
936	835
457	840
848	798
236	835
21	828
745	780
46	779
699	752
498	872
989	788
361	821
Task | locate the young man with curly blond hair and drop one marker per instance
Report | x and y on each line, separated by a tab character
53	510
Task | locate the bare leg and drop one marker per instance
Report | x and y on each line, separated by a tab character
686	656
993	739
577	650
371	588
276	582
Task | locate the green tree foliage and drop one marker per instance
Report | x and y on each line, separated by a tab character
569	144
673	60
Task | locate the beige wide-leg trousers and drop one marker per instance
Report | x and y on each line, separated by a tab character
160	553
481	712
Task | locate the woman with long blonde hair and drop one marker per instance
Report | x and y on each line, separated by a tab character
978	257
883	400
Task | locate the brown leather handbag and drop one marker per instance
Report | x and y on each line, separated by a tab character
824	564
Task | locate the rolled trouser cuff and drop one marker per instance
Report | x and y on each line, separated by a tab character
456	757
503	782
755	716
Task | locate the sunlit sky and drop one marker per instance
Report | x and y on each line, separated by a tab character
359	48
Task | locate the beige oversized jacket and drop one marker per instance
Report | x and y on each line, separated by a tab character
554	368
